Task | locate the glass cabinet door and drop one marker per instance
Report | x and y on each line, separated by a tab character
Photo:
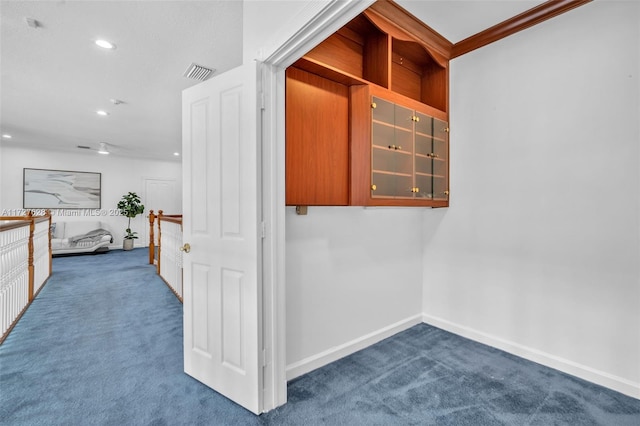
431	158
391	150
409	153
424	156
440	159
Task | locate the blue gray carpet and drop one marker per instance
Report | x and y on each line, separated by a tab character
102	345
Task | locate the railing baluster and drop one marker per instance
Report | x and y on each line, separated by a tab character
25	260
169	255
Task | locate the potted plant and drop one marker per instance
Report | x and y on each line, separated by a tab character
130	206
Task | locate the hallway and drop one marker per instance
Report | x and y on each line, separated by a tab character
102	344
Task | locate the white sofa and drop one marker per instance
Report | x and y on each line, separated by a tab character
80	237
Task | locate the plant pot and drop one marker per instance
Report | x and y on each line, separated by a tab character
127	244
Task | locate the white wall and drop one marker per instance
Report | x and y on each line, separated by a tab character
539	252
119	176
354	276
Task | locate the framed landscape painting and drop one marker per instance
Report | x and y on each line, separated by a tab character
61	189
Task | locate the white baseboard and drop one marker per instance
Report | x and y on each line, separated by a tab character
330	355
602	378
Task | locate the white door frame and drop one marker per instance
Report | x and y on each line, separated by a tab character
324	23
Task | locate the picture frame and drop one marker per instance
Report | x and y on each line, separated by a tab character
61	189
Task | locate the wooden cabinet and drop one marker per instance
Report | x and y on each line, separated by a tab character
399	150
342	151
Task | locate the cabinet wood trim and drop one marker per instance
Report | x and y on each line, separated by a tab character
318	68
317	140
400	18
529	18
360	148
398	98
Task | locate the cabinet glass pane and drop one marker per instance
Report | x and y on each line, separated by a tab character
440	168
403	162
403	140
391	185
440	145
403	118
383	159
440	129
424	185
439	188
384	184
383	111
424	125
424	165
423	145
404	186
383	134
404	148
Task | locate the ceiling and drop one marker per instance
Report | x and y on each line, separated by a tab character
54	78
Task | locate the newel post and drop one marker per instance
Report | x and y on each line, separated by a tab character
160	212
32	226
152	244
48	213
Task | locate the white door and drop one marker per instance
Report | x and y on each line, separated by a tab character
222	279
160	194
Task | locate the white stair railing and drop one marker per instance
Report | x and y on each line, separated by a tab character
14	278
25	264
171	256
41	258
165	242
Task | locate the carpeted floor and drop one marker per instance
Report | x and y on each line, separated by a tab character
102	345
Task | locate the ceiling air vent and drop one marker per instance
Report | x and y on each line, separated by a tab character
198	72
84	147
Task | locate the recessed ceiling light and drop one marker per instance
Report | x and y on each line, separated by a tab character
103	149
102	113
105	44
177	154
6	136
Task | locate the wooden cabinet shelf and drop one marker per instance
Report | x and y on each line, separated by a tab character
338	151
427	136
386	172
358	49
397	150
417	75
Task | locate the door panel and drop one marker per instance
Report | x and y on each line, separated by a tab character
222	341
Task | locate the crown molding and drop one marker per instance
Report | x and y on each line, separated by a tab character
529	18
